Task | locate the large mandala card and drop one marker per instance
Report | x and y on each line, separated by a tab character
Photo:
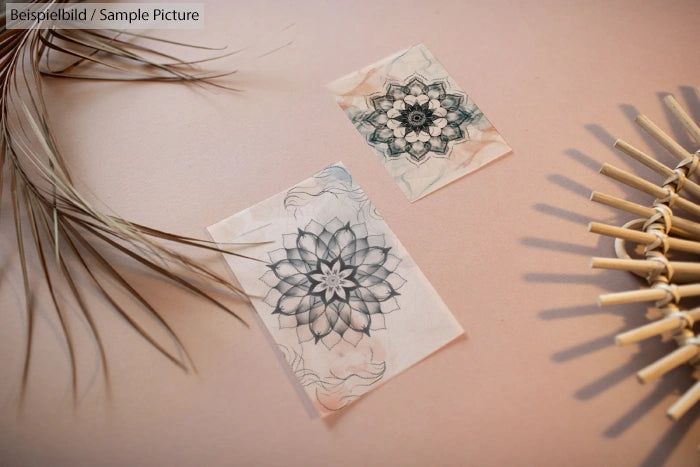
421	125
337	291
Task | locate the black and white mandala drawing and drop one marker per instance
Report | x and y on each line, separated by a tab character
418	119
332	282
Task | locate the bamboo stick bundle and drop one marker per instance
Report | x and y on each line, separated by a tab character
662	232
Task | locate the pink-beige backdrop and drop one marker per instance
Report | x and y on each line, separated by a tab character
537	380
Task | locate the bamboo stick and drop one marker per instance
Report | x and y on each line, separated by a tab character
647	187
676	244
688	185
686	270
645	295
667	363
655	328
631	265
643	158
631	296
690	126
622	204
685	402
623	233
662	138
679	225
633	181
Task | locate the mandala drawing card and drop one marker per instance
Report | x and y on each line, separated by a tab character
336	290
421	125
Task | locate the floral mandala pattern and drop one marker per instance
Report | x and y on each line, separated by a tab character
332	282
417	119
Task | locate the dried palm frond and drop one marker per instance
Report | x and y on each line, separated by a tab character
71	240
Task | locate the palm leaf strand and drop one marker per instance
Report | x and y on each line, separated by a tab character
59	218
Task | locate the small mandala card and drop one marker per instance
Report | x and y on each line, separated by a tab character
343	300
421	125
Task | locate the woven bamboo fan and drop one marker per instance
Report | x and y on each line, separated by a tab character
665	229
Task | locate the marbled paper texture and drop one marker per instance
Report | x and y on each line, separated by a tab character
421	125
343	300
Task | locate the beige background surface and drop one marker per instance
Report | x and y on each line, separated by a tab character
537	380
